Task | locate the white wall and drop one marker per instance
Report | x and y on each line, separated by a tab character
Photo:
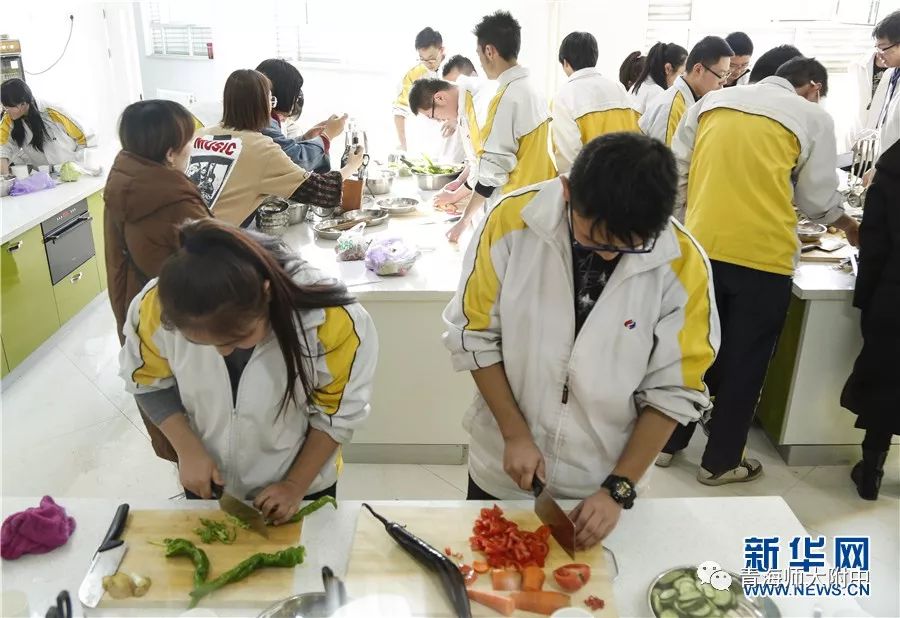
97	76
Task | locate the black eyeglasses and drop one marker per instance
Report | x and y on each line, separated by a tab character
647	247
888	48
432	107
721	77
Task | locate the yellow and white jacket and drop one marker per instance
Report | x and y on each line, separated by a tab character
665	111
647	92
401	101
588	105
784	147
515	138
648	341
67	139
474	97
251	444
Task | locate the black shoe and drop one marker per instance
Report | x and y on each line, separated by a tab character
867	474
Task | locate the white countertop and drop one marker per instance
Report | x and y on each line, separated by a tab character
823	282
655	535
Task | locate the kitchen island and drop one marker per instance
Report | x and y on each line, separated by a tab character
655	535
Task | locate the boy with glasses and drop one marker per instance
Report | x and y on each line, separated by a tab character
587	317
708	67
742	47
887	43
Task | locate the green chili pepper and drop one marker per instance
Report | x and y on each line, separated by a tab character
211	531
311	508
237	522
183	547
286	558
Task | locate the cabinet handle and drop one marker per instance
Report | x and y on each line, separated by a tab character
76	277
15	247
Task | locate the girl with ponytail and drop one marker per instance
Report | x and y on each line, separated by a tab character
256	367
664	63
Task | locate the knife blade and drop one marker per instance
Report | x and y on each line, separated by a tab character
106	560
244	512
551	514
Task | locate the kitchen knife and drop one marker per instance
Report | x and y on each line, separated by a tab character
245	513
551	514
106	560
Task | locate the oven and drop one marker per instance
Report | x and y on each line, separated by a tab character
68	240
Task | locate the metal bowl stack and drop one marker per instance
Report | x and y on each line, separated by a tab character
435	182
272	216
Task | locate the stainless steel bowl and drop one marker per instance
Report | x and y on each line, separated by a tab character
435	182
321	229
811	232
761	607
308	605
380	182
399	205
297	212
272	216
372	216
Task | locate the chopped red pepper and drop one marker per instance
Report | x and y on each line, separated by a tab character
595	603
505	545
468	573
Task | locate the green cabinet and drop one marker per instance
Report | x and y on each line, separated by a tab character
76	290
28	314
4	367
95	208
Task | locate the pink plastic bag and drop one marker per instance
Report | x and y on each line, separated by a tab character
38	181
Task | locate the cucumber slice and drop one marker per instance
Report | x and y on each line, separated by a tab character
702	611
708	590
668	596
656	603
690	595
683	581
688	607
724	599
669	578
669	613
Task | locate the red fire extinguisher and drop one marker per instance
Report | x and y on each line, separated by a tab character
209	51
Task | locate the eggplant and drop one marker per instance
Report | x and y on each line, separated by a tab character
434	560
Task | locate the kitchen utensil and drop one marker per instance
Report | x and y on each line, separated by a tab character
330	229
372	216
245	513
106	560
434	560
550	513
19	171
435	182
63	607
377	563
380	182
311	604
351	194
399	205
297	212
810	232
757	607
272	216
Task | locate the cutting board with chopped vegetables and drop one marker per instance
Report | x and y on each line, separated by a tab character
378	565
172	578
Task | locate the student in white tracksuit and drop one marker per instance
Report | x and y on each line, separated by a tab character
515	136
664	62
255	366
586	349
707	70
588	105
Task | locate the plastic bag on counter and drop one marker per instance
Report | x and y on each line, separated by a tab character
38	181
391	256
351	245
69	172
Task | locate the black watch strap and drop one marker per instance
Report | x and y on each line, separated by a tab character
621	489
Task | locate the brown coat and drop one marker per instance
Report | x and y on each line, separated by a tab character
145	202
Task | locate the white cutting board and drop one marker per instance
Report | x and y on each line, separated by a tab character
379	566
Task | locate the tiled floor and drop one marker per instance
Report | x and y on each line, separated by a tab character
68	429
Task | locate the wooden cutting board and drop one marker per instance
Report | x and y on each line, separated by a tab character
379	565
172	578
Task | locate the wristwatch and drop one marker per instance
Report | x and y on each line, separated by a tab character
621	490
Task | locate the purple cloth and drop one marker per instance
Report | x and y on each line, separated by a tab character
36	530
38	181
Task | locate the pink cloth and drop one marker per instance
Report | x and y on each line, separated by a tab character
36	530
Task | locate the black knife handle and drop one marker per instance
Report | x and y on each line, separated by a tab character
217	490
537	487
113	536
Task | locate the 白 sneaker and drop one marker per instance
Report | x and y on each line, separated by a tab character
664	460
748	470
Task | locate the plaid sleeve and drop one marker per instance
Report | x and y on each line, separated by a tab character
321	190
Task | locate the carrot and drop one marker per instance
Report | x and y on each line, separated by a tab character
545	602
480	567
532	579
506	579
497	602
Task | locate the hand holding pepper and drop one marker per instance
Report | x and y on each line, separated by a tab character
279	501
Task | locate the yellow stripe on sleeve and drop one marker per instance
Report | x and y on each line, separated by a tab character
472	121
533	161
68	125
341	343
5	129
675	113
483	284
154	366
485	131
595	124
416	73
697	353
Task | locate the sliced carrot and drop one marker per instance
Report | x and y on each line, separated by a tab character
545	602
480	567
506	579
532	579
497	602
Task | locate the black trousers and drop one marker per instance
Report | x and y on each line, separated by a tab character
752	307
328	491
477	493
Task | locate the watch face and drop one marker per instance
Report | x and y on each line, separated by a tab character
622	489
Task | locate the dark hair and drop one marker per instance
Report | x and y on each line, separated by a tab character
708	50
801	71
422	92
740	43
658	57
631	68
245	102
579	49
215	282
766	65
151	128
429	37
461	64
15	92
888	28
287	85
627	183
501	30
